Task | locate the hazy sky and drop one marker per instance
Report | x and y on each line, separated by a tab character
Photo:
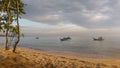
71	16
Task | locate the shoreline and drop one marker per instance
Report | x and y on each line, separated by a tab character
84	55
38	58
72	54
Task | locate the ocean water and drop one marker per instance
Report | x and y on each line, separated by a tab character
78	45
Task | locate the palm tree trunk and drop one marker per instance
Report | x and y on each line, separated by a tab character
6	46
18	37
8	23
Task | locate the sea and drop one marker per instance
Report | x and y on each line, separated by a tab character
109	47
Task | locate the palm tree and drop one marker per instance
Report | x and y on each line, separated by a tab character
12	9
19	10
5	4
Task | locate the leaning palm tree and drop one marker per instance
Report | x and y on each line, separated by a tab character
7	17
18	10
12	9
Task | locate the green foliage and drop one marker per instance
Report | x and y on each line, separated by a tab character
10	10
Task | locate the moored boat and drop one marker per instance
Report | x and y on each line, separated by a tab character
65	39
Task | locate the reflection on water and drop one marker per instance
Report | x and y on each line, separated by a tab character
108	47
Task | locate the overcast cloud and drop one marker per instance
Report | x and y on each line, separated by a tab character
85	13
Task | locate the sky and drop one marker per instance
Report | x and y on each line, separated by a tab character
74	17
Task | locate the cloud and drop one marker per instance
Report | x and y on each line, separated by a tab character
53	29
97	17
85	13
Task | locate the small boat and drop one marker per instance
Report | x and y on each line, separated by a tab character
65	39
37	37
98	39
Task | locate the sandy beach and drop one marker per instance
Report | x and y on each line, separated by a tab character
31	58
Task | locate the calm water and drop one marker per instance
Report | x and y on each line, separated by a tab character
109	47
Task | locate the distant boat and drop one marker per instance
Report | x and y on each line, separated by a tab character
37	37
65	39
98	39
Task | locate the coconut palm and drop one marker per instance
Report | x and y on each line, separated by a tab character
6	17
12	9
18	10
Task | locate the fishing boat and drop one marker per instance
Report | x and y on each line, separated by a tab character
37	37
65	38
98	39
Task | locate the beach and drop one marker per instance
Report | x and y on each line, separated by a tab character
59	34
32	58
